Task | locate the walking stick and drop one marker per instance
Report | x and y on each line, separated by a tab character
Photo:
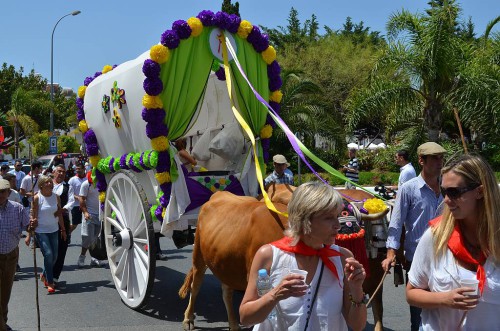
32	235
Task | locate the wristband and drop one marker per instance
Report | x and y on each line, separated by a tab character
357	304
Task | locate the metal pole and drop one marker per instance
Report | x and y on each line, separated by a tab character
76	12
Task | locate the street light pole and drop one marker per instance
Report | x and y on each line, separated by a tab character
76	12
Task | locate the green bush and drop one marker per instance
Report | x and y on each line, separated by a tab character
365	178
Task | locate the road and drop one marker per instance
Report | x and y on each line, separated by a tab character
87	300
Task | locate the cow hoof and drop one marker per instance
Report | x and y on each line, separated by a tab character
188	325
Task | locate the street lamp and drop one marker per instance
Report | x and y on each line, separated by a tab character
76	12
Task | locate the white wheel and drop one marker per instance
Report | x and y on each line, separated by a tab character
129	235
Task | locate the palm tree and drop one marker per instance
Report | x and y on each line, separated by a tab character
428	61
18	118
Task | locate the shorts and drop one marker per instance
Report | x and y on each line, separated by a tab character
90	230
76	215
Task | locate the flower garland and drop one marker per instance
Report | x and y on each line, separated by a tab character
374	206
154	114
360	234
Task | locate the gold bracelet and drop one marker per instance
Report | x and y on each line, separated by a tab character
357	304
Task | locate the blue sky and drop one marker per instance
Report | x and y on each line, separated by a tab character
112	32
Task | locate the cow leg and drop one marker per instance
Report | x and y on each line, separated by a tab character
227	296
197	279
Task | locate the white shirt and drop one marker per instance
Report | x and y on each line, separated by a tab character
443	274
407	172
58	189
92	197
76	182
27	185
14	196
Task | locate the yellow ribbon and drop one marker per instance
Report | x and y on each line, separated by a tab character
247	129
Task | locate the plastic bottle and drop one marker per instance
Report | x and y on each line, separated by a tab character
264	285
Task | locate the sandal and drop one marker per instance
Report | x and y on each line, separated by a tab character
44	280
51	289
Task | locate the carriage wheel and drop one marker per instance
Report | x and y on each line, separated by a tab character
129	234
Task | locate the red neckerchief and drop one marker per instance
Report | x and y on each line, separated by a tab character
457	247
301	248
89	177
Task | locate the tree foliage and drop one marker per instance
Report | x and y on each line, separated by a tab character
229	8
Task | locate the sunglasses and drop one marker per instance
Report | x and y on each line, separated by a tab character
456	192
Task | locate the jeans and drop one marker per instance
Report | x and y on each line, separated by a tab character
48	243
61	249
8	264
415	312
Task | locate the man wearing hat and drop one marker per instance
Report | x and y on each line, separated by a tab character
418	201
280	175
14	218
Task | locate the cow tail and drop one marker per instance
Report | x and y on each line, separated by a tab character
184	290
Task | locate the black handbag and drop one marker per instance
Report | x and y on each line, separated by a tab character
98	248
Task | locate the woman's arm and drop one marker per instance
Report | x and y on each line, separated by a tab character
185	154
255	309
353	308
60	219
429	300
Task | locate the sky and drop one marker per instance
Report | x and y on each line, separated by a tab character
113	32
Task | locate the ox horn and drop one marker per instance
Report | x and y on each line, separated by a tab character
373	217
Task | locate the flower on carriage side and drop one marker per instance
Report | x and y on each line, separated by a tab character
221	73
266	131
151	68
159	54
82	125
158	212
152	85
160	144
102	197
374	206
163	177
88	80
150	101
170	39
163	212
244	29
116	164
221	19
275	83
195	25
136	159
107	68
259	41
206	17
276	96
182	28
153	159
94	160
269	55
79	104
81	91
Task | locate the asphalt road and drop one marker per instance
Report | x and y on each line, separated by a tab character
87	300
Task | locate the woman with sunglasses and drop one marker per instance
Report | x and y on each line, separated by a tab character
462	244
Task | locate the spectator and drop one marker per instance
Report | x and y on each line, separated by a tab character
18	165
462	244
418	201
4	169
309	245
186	159
75	183
91	225
50	223
352	170
407	171
14	219
280	174
29	185
14	195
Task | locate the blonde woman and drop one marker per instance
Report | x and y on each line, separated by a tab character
331	296
45	211
463	244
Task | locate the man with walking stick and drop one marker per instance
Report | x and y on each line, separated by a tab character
14	218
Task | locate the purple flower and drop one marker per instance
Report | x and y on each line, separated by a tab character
273	69
115	65
101	181
156	129
110	165
270	121
92	149
275	83
123	162
221	19
154	115
166	188
88	80
221	74
141	162
164	200
170	39
233	23
90	137
163	162
153	86
132	165
206	17
80	115
151	69
79	103
158	212
182	28
97	74
258	40
276	106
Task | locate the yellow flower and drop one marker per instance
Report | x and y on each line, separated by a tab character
151	102
81	91
244	29
163	211
195	25
82	125
106	68
159	54
374	206
276	96
222	181
94	160
269	55
159	144
213	189
266	131
102	196
163	177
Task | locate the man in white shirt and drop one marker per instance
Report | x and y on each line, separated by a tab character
18	173
29	185
407	171
75	183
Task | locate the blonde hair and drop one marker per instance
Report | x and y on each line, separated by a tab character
42	180
308	200
475	171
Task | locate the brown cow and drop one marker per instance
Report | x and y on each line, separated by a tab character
239	226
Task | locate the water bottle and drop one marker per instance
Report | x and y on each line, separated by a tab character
264	285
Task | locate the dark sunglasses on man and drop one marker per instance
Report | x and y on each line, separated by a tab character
456	192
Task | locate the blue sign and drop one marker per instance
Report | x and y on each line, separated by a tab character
53	145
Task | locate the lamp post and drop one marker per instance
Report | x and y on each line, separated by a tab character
74	13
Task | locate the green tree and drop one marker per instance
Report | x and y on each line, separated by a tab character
426	66
229	8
